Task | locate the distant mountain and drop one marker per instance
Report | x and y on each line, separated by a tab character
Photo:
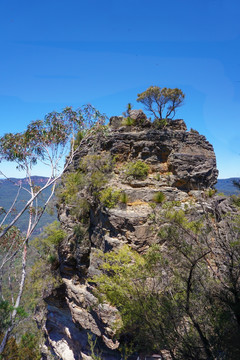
226	186
8	192
38	180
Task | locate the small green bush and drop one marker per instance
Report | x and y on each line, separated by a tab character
52	258
79	136
159	197
236	200
137	170
109	197
160	123
79	232
73	182
128	121
211	192
80	209
123	198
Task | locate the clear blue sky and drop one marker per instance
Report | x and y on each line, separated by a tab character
70	52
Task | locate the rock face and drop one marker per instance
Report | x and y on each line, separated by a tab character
181	164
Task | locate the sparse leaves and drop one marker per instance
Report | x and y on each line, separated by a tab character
161	102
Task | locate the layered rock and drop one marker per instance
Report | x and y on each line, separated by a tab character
182	165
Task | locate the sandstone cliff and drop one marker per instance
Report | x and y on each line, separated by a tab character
181	165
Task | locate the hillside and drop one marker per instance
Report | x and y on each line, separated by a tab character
226	186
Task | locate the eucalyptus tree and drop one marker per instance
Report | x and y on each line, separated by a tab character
47	141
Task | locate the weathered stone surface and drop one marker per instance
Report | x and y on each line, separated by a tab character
177	124
116	121
137	115
181	165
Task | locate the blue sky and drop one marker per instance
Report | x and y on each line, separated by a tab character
58	53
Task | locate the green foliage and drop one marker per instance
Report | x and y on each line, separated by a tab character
126	282
50	238
55	130
78	138
159	100
26	349
43	275
11	349
47	141
123	197
137	170
79	232
92	174
177	297
96	170
128	109
159	197
160	123
236	200
5	311
211	192
95	355
109	197
73	181
5	314
128	121
80	209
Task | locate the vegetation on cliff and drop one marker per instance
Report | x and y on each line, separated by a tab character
47	141
146	258
183	295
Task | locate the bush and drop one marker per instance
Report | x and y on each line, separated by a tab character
160	123
123	198
109	197
236	200
128	121
73	182
211	192
79	232
159	197
137	170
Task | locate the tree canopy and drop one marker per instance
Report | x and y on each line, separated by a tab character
161	102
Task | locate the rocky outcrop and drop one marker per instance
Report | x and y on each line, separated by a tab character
182	165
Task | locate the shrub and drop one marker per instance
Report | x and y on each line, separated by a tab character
123	198
73	182
137	170
80	209
128	121
79	136
211	192
109	197
79	232
160	123
236	200
159	197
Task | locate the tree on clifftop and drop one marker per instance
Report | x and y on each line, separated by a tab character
161	102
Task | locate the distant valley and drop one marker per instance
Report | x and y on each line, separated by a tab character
8	192
226	186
